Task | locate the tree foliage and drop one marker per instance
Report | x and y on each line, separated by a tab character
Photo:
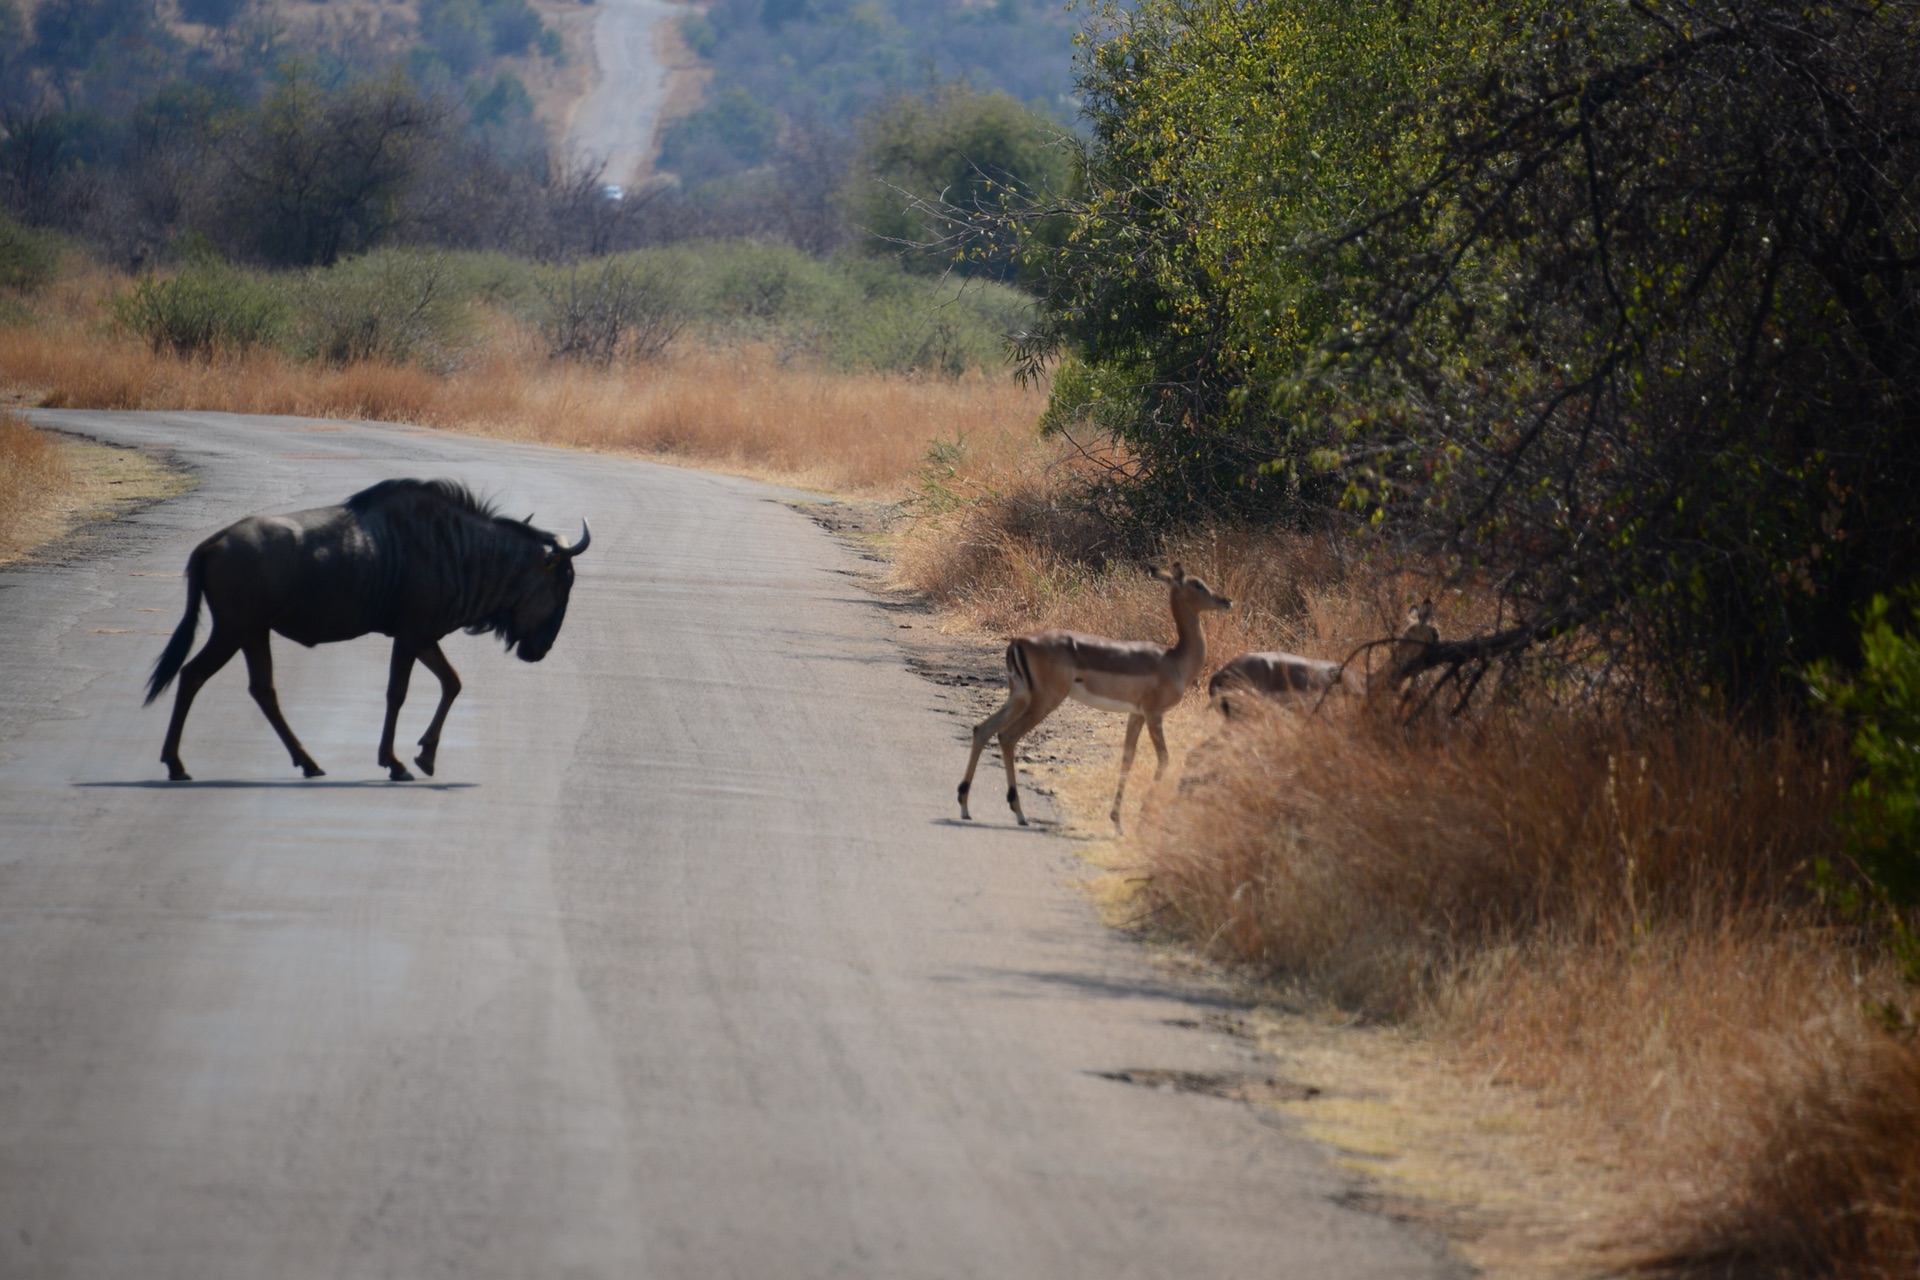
1612	304
1228	141
932	163
320	172
1642	346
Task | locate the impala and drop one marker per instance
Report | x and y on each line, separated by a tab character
1138	678
1285	677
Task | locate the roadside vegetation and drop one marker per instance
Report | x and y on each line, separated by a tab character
1594	324
33	475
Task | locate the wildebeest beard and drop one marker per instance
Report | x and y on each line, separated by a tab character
530	646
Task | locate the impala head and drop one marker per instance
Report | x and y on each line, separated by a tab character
1189	591
1415	635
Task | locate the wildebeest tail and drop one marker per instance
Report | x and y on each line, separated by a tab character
174	656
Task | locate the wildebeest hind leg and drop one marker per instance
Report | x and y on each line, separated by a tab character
435	661
221	646
260	684
399	671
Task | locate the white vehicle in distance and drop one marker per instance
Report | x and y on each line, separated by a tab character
614	191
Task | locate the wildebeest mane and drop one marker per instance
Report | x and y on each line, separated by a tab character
450	491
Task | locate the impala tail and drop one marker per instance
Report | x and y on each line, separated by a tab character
175	654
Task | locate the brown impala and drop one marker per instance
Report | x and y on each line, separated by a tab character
1286	677
1138	678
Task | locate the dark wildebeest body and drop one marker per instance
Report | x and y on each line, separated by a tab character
412	559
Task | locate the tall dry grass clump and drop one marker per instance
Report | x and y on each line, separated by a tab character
1381	865
32	471
1828	1175
1620	913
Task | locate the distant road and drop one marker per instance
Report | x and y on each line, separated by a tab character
681	967
616	122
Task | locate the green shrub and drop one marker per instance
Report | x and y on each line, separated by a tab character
621	309
1881	822
208	307
392	305
28	258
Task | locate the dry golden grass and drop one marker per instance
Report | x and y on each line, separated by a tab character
33	476
1618	916
739	408
1017	556
1615	917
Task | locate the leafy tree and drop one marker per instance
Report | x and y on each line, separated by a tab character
320	172
1230	143
67	33
736	132
930	163
1642	346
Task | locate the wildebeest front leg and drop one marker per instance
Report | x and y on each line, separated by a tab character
260	685
398	673
435	661
221	646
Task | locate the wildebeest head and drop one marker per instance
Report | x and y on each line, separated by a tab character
531	621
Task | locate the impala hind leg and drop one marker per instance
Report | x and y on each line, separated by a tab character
260	685
1134	723
435	661
221	646
399	672
1038	708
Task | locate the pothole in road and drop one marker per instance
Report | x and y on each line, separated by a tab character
1233	1085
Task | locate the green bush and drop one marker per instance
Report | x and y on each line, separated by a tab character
207	308
855	313
1881	703
401	307
621	309
28	258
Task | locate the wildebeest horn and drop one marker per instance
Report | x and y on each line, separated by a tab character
586	536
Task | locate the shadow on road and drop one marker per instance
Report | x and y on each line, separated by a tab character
303	784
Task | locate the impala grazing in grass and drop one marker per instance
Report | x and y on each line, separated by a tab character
1288	677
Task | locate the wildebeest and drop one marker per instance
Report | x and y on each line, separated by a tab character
412	559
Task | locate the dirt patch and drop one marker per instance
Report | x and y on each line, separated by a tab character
105	483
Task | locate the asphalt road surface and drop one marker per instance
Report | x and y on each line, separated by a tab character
615	123
681	967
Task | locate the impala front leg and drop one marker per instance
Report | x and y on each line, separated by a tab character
1134	723
398	674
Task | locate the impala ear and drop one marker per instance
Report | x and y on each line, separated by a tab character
1158	574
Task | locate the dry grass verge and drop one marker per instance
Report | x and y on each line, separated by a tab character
1600	934
742	408
33	479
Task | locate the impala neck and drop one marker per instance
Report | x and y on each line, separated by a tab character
1189	652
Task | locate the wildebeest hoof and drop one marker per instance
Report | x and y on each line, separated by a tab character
176	774
312	770
425	761
397	772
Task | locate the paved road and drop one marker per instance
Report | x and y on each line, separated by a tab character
680	968
616	122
